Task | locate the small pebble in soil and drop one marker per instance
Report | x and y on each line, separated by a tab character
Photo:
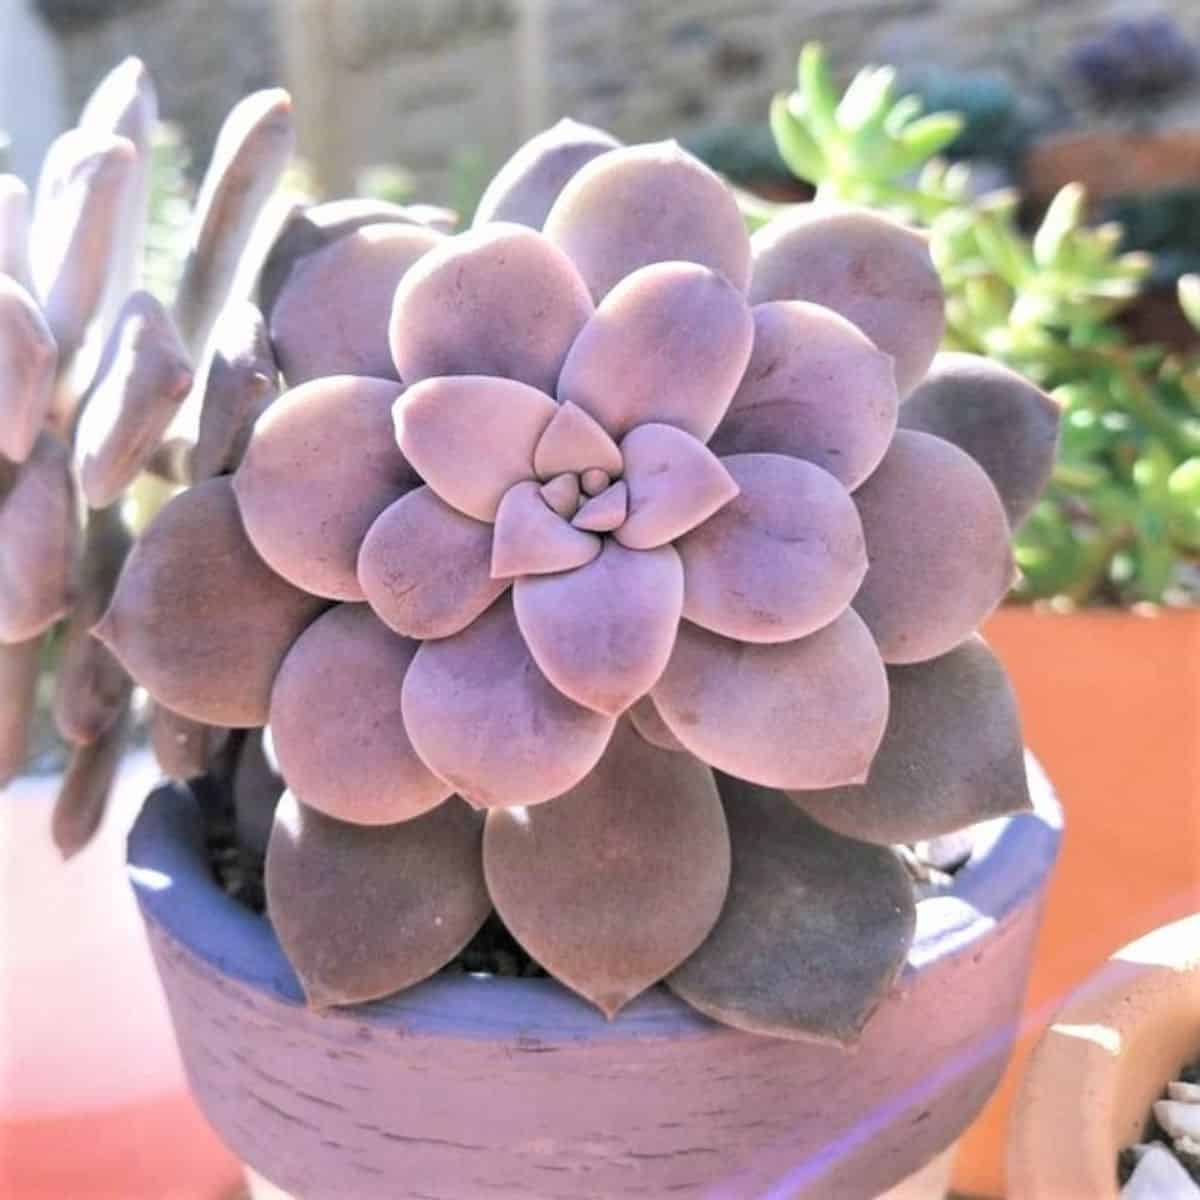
1167	1165
1159	1175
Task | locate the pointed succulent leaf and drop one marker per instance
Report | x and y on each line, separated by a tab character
320	466
938	545
525	188
648	204
337	727
14	230
802	714
425	568
485	719
39	542
952	755
471	437
532	539
197	618
815	930
28	360
183	748
797	147
86	785
363	912
780	560
605	511
816	388
575	441
1005	423
143	378
675	483
20	666
645	718
669	344
331	315
602	634
76	223
253	147
499	300
615	883
870	269
91	688
563	493
241	379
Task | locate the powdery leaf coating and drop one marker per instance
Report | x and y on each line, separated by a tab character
91	688
241	380
425	568
471	437
28	361
525	188
644	717
337	727
39	542
575	441
602	634
331	316
1005	423
605	511
803	714
183	748
675	482
143	378
309	229
532	539
648	204
871	269
197	618
320	466
484	718
938	545
815	929
779	561
952	755
20	664
14	231
615	883
87	783
253	147
75	224
363	912
457	311
816	388
669	343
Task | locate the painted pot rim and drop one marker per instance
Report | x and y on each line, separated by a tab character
169	872
1109	1052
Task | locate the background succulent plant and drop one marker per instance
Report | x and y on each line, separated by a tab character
1117	522
582	572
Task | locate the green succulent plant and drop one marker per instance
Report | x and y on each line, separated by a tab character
1120	520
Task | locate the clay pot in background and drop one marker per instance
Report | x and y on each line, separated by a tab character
1095	1073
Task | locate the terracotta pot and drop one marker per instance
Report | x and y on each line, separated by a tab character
1112	163
479	1087
1110	703
93	1102
1095	1073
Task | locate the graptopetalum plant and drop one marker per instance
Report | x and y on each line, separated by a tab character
582	573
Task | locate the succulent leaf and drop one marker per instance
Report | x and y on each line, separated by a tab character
86	785
952	755
183	748
28	362
14	231
532	539
20	664
575	441
809	713
366	911
815	928
619	880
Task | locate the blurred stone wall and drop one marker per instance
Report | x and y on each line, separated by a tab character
417	81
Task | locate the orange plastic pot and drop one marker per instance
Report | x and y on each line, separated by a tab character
1110	703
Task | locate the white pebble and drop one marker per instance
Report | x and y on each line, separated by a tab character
1159	1176
1188	1093
1178	1119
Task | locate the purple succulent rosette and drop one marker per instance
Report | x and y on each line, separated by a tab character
585	572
